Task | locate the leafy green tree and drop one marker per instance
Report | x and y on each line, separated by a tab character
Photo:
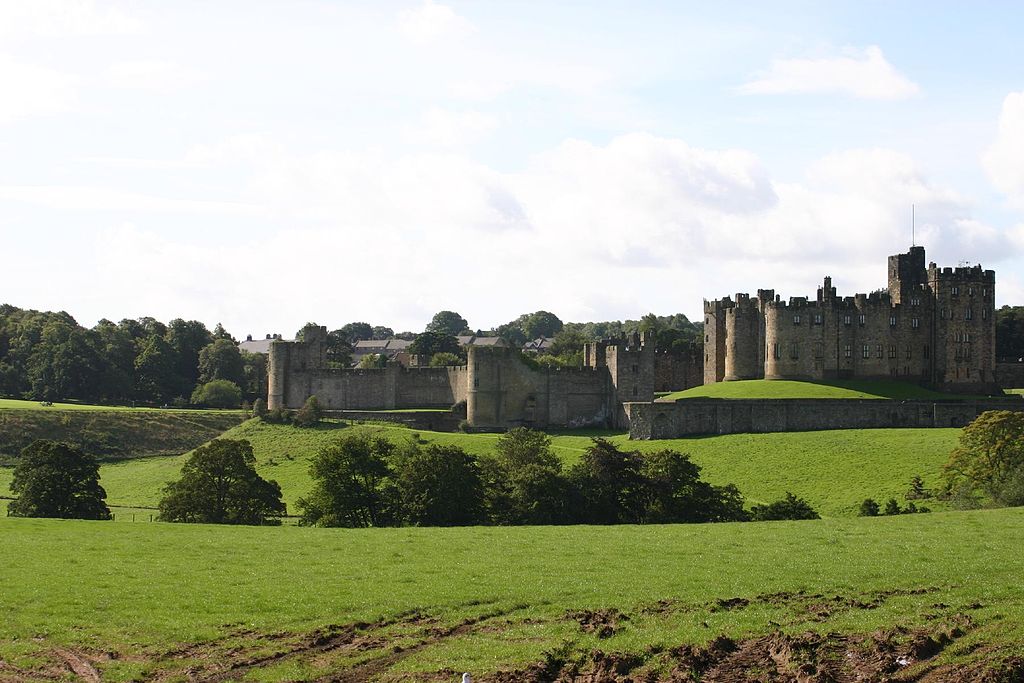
609	485
54	479
220	333
430	343
259	409
63	364
990	459
188	338
156	372
523	480
443	359
354	332
1010	332
352	484
116	350
339	351
448	323
221	360
373	361
218	393
219	485
892	507
568	346
438	486
673	492
309	414
381	332
789	507
254	366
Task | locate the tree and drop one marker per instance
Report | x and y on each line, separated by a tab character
789	507
220	393
448	323
309	414
429	343
338	350
54	479
990	459
444	358
254	366
674	492
373	361
523	480
892	507
438	486
568	345
1010	332
381	332
869	508
219	485
353	332
609	485
188	338
156	374
221	360
352	483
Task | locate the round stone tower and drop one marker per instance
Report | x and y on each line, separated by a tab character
742	340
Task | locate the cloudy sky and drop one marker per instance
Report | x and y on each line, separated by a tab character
264	164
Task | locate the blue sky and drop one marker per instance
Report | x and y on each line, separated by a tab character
264	164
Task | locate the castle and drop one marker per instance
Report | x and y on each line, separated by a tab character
933	326
500	386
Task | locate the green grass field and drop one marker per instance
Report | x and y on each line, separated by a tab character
833	470
18	404
761	388
167	602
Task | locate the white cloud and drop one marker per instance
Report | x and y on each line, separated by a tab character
1004	159
83	198
159	75
432	22
864	74
57	18
439	127
28	90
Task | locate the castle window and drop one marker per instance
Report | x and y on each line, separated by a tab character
878	351
862	318
476	382
846	320
970	291
778	354
915	323
796	319
634	391
817	318
984	292
634	369
955	291
707	320
707	337
892	350
968	314
967	337
908	353
984	314
847	351
892	321
865	352
819	350
915	302
926	351
794	350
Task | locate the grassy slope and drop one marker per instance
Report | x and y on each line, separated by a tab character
142	589
114	434
833	470
760	388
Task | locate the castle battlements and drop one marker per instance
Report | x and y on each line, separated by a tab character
912	330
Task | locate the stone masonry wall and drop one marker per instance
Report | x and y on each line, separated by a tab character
699	417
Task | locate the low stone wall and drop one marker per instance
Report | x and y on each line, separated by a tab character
428	420
690	417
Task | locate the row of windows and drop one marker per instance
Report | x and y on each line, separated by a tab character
955	291
866	351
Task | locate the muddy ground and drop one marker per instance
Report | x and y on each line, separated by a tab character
926	652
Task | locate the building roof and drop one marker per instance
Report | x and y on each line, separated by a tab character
259	345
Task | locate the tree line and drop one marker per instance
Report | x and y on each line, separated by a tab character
48	356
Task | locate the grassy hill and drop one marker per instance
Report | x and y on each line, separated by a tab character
113	434
833	470
760	388
886	597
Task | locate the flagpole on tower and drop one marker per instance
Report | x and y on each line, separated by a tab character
913	227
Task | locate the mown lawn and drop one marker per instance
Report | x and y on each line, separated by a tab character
760	388
166	598
18	404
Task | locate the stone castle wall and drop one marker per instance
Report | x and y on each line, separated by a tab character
933	326
695	417
1010	375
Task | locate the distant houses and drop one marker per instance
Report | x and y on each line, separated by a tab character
396	350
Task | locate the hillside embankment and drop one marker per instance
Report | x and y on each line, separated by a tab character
113	434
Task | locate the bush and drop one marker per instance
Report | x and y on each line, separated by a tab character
869	508
259	408
444	359
280	416
438	486
892	507
459	408
218	393
789	507
309	414
465	427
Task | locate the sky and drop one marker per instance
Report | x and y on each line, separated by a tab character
266	164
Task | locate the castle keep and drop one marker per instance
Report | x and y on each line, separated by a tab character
934	326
